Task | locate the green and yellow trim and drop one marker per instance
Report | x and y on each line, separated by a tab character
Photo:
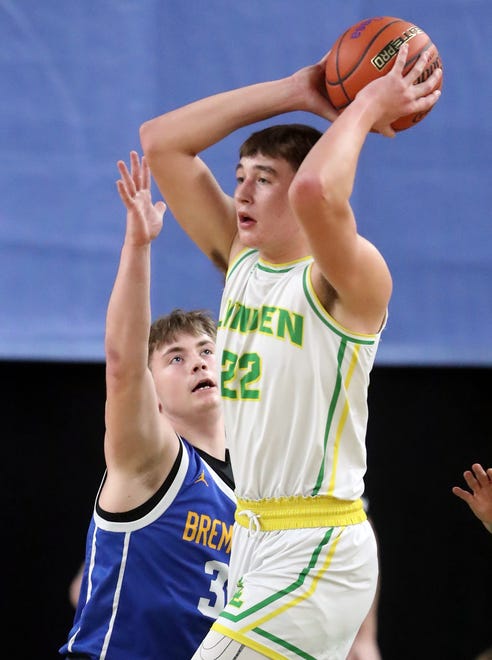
308	578
269	267
322	314
240	257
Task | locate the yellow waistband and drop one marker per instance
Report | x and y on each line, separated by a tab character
298	512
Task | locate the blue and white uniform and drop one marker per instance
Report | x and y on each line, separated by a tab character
303	569
155	577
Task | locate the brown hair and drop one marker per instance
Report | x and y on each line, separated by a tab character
166	328
292	142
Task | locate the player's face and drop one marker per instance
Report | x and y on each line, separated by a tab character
264	216
185	376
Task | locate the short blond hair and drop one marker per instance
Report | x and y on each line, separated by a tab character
167	328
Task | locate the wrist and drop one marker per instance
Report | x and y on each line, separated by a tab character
136	246
370	106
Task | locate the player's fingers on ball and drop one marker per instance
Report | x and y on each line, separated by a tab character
401	59
425	98
387	131
430	100
418	69
427	86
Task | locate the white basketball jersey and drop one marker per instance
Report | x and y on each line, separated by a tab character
294	385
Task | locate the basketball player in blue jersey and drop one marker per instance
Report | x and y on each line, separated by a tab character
159	540
304	303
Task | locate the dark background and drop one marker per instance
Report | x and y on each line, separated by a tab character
426	426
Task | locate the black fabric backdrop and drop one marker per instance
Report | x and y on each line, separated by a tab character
426	427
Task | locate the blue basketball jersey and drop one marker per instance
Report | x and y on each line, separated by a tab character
155	577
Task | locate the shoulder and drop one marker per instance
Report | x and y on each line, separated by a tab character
244	256
359	308
147	500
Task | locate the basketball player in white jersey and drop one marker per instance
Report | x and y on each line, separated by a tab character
304	303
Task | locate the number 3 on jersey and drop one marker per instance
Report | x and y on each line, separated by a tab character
212	607
239	373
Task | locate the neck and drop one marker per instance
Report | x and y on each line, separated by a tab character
283	256
206	433
295	246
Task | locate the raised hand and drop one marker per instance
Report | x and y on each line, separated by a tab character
144	219
313	94
396	95
480	498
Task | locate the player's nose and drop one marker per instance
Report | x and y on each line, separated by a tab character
199	363
244	191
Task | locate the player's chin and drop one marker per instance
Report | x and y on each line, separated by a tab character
208	394
210	407
248	236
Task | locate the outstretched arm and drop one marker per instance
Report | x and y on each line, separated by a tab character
138	438
172	142
480	498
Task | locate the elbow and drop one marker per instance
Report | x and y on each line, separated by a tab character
305	189
119	373
114	362
120	366
149	139
310	195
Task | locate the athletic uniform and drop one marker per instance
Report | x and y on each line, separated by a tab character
154	577
303	570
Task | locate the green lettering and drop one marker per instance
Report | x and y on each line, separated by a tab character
292	323
266	319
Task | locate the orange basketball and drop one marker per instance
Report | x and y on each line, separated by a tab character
367	51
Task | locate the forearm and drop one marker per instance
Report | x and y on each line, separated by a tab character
199	125
335	157
375	107
129	316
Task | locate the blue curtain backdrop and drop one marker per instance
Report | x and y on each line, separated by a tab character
78	77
